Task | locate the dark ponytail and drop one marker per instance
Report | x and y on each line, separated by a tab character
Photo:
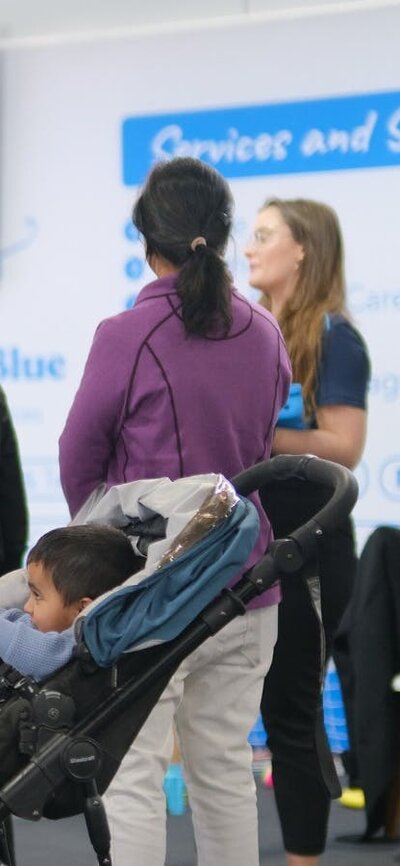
185	215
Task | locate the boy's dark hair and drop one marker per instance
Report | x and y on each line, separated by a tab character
85	561
184	200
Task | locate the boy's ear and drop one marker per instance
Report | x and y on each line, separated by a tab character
83	602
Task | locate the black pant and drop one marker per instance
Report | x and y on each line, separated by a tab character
7	853
303	771
374	640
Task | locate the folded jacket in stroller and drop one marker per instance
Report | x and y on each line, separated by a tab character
63	740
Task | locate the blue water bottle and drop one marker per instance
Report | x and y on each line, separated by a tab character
175	790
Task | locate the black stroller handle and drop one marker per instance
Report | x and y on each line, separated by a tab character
305	467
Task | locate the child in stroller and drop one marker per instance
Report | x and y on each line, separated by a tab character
66	569
114	689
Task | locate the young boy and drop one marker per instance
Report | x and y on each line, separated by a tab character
67	568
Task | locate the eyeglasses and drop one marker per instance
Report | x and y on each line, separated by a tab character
261	237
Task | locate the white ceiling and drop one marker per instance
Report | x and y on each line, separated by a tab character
39	19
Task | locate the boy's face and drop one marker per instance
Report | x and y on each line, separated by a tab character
45	604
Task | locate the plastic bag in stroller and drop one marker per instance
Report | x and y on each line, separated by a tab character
61	741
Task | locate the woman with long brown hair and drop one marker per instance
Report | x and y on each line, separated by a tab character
296	260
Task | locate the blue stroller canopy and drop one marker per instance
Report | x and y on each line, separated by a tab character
209	534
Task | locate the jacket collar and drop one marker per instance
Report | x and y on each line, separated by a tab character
163	286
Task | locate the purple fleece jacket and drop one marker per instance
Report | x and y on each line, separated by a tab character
154	402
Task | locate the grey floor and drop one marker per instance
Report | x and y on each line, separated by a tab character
65	843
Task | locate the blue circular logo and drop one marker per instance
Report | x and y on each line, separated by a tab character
131	233
130	301
134	268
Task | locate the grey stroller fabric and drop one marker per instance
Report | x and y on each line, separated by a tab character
14	588
176	502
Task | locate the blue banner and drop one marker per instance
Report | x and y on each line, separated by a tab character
348	132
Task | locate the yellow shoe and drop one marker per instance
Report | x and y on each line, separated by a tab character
352	798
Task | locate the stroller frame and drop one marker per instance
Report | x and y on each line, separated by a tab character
72	753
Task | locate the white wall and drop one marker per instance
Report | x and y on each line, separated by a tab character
46	19
65	207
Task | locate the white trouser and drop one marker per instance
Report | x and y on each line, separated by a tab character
214	698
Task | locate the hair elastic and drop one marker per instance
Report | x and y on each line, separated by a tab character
198	242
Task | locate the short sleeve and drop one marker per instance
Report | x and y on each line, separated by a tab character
345	366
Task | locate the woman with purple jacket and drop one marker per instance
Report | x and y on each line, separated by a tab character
191	380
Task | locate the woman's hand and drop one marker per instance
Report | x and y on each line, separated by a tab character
340	436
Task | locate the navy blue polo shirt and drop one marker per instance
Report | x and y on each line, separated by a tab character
343	374
345	368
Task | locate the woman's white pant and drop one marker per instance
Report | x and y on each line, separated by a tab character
214	698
